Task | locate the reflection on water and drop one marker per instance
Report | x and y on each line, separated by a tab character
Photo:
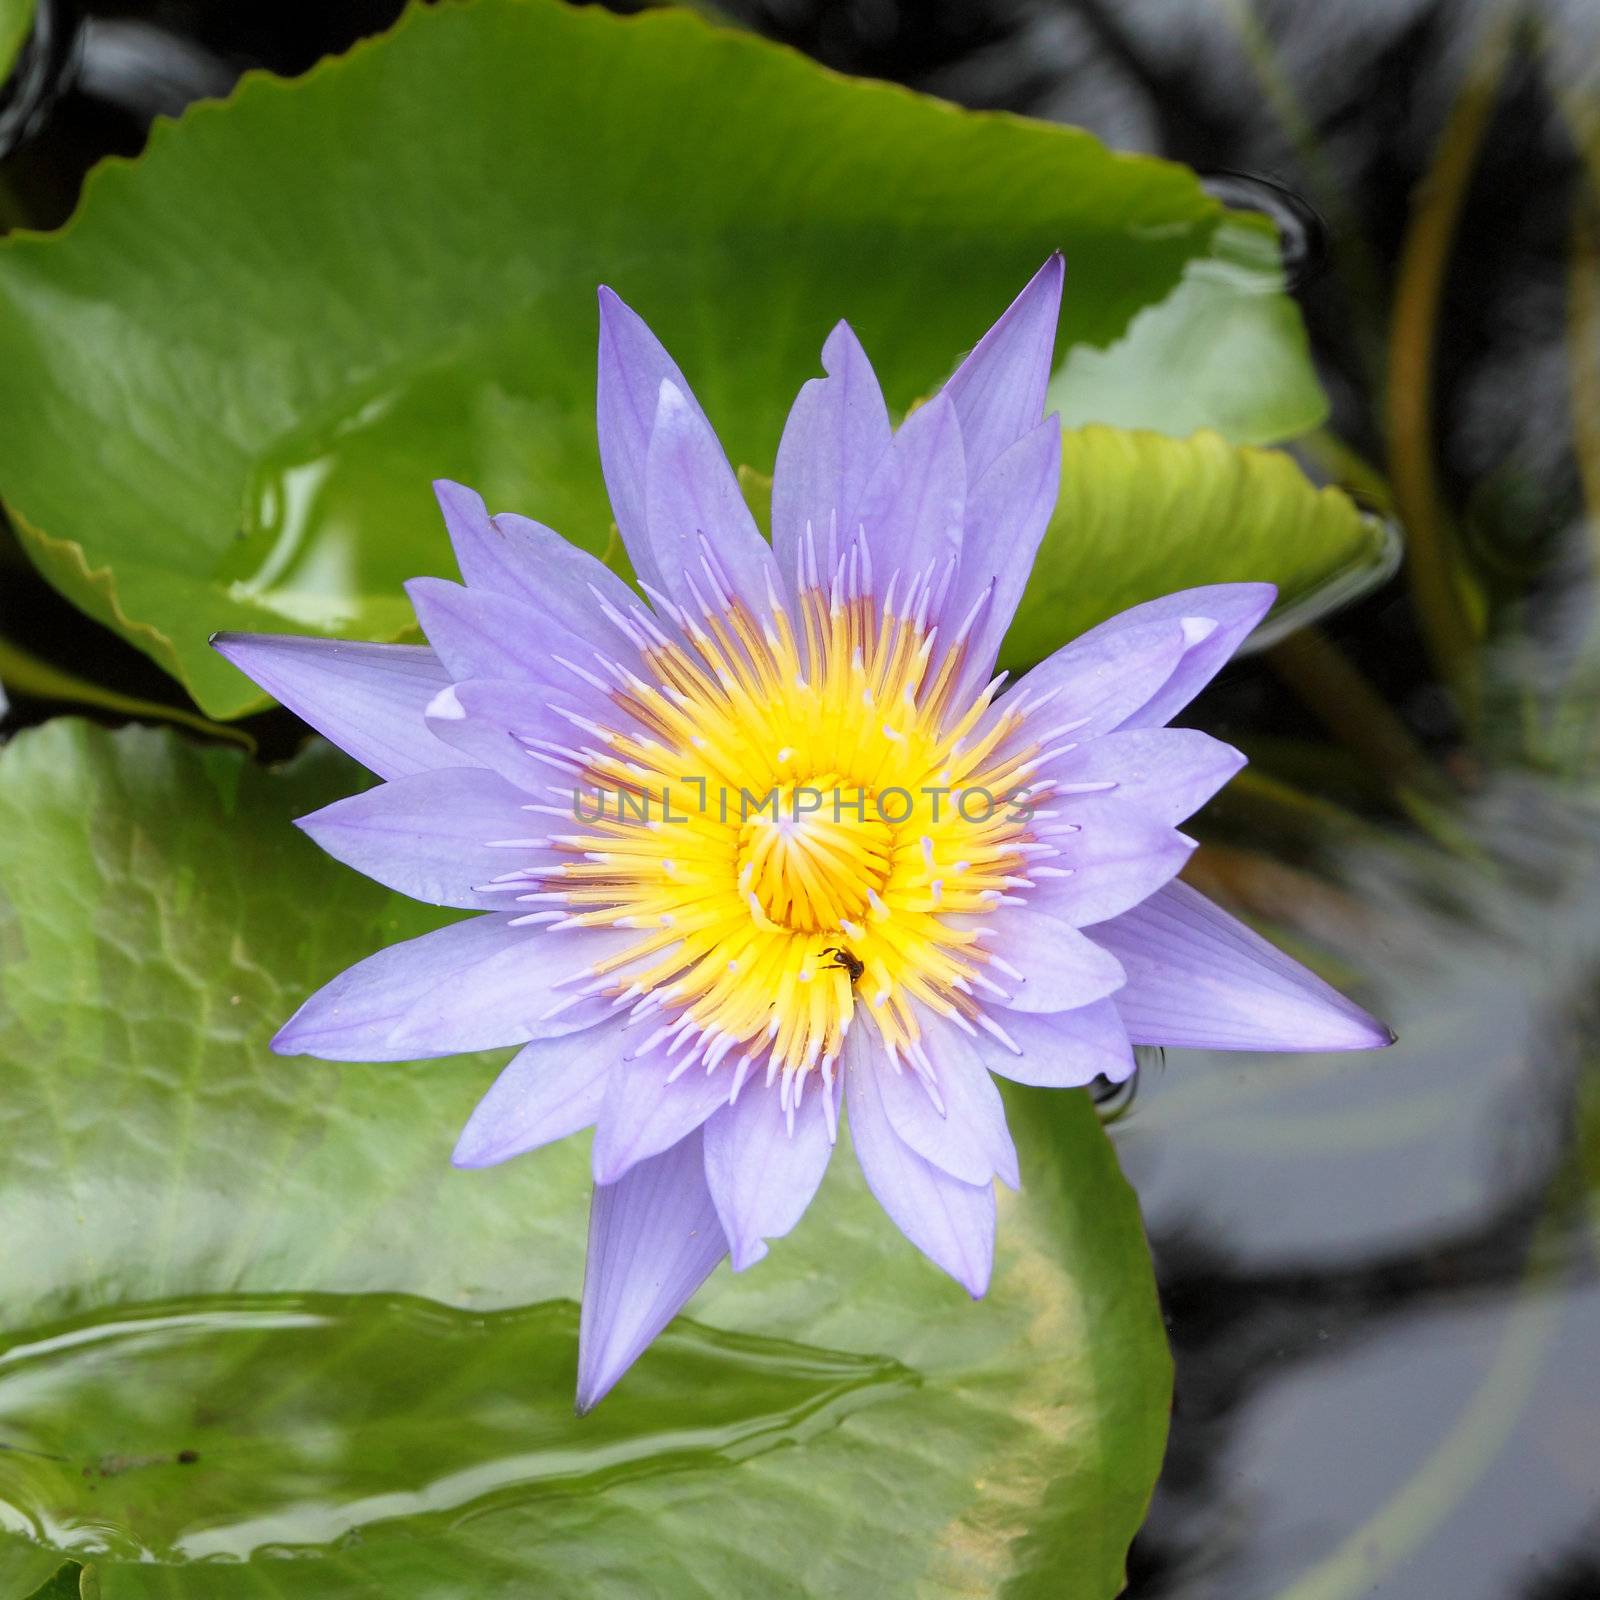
216	1427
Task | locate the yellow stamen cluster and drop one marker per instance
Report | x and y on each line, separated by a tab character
791	814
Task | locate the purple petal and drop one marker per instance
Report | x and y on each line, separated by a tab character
1167	774
1235	608
552	1088
968	1138
428	835
644	1113
1198	977
507	726
368	698
1115	861
481	555
476	985
912	507
654	1238
950	1222
1060	1049
1008	511
1043	963
480	634
1094	684
998	391
633	366
351	1018
692	502
523	993
526	561
837	432
762	1175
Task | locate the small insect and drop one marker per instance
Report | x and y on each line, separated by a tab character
846	962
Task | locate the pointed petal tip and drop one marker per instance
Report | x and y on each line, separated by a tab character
745	1253
285	1041
594	1384
1375	1035
474	1150
237	647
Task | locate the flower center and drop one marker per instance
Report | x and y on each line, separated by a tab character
815	855
803	822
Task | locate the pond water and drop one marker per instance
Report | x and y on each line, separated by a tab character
1378	1271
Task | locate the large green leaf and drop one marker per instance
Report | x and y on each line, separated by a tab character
229	381
259	1338
1142	514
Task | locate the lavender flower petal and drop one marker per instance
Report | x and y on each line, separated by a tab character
551	1088
525	992
950	1222
476	985
761	1174
524	560
1008	511
1115	861
914	503
837	432
1093	685
505	727
968	1137
1166	774
644	1113
654	1238
480	634
351	1018
633	366
1199	977
428	835
1060	1049
1048	964
1235	608
367	698
998	391
701	532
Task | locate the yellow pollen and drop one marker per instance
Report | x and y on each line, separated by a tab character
815	853
801	826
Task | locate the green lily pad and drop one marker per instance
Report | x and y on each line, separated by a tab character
1226	350
230	379
1141	515
264	1340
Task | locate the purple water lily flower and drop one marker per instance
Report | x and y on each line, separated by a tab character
775	843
